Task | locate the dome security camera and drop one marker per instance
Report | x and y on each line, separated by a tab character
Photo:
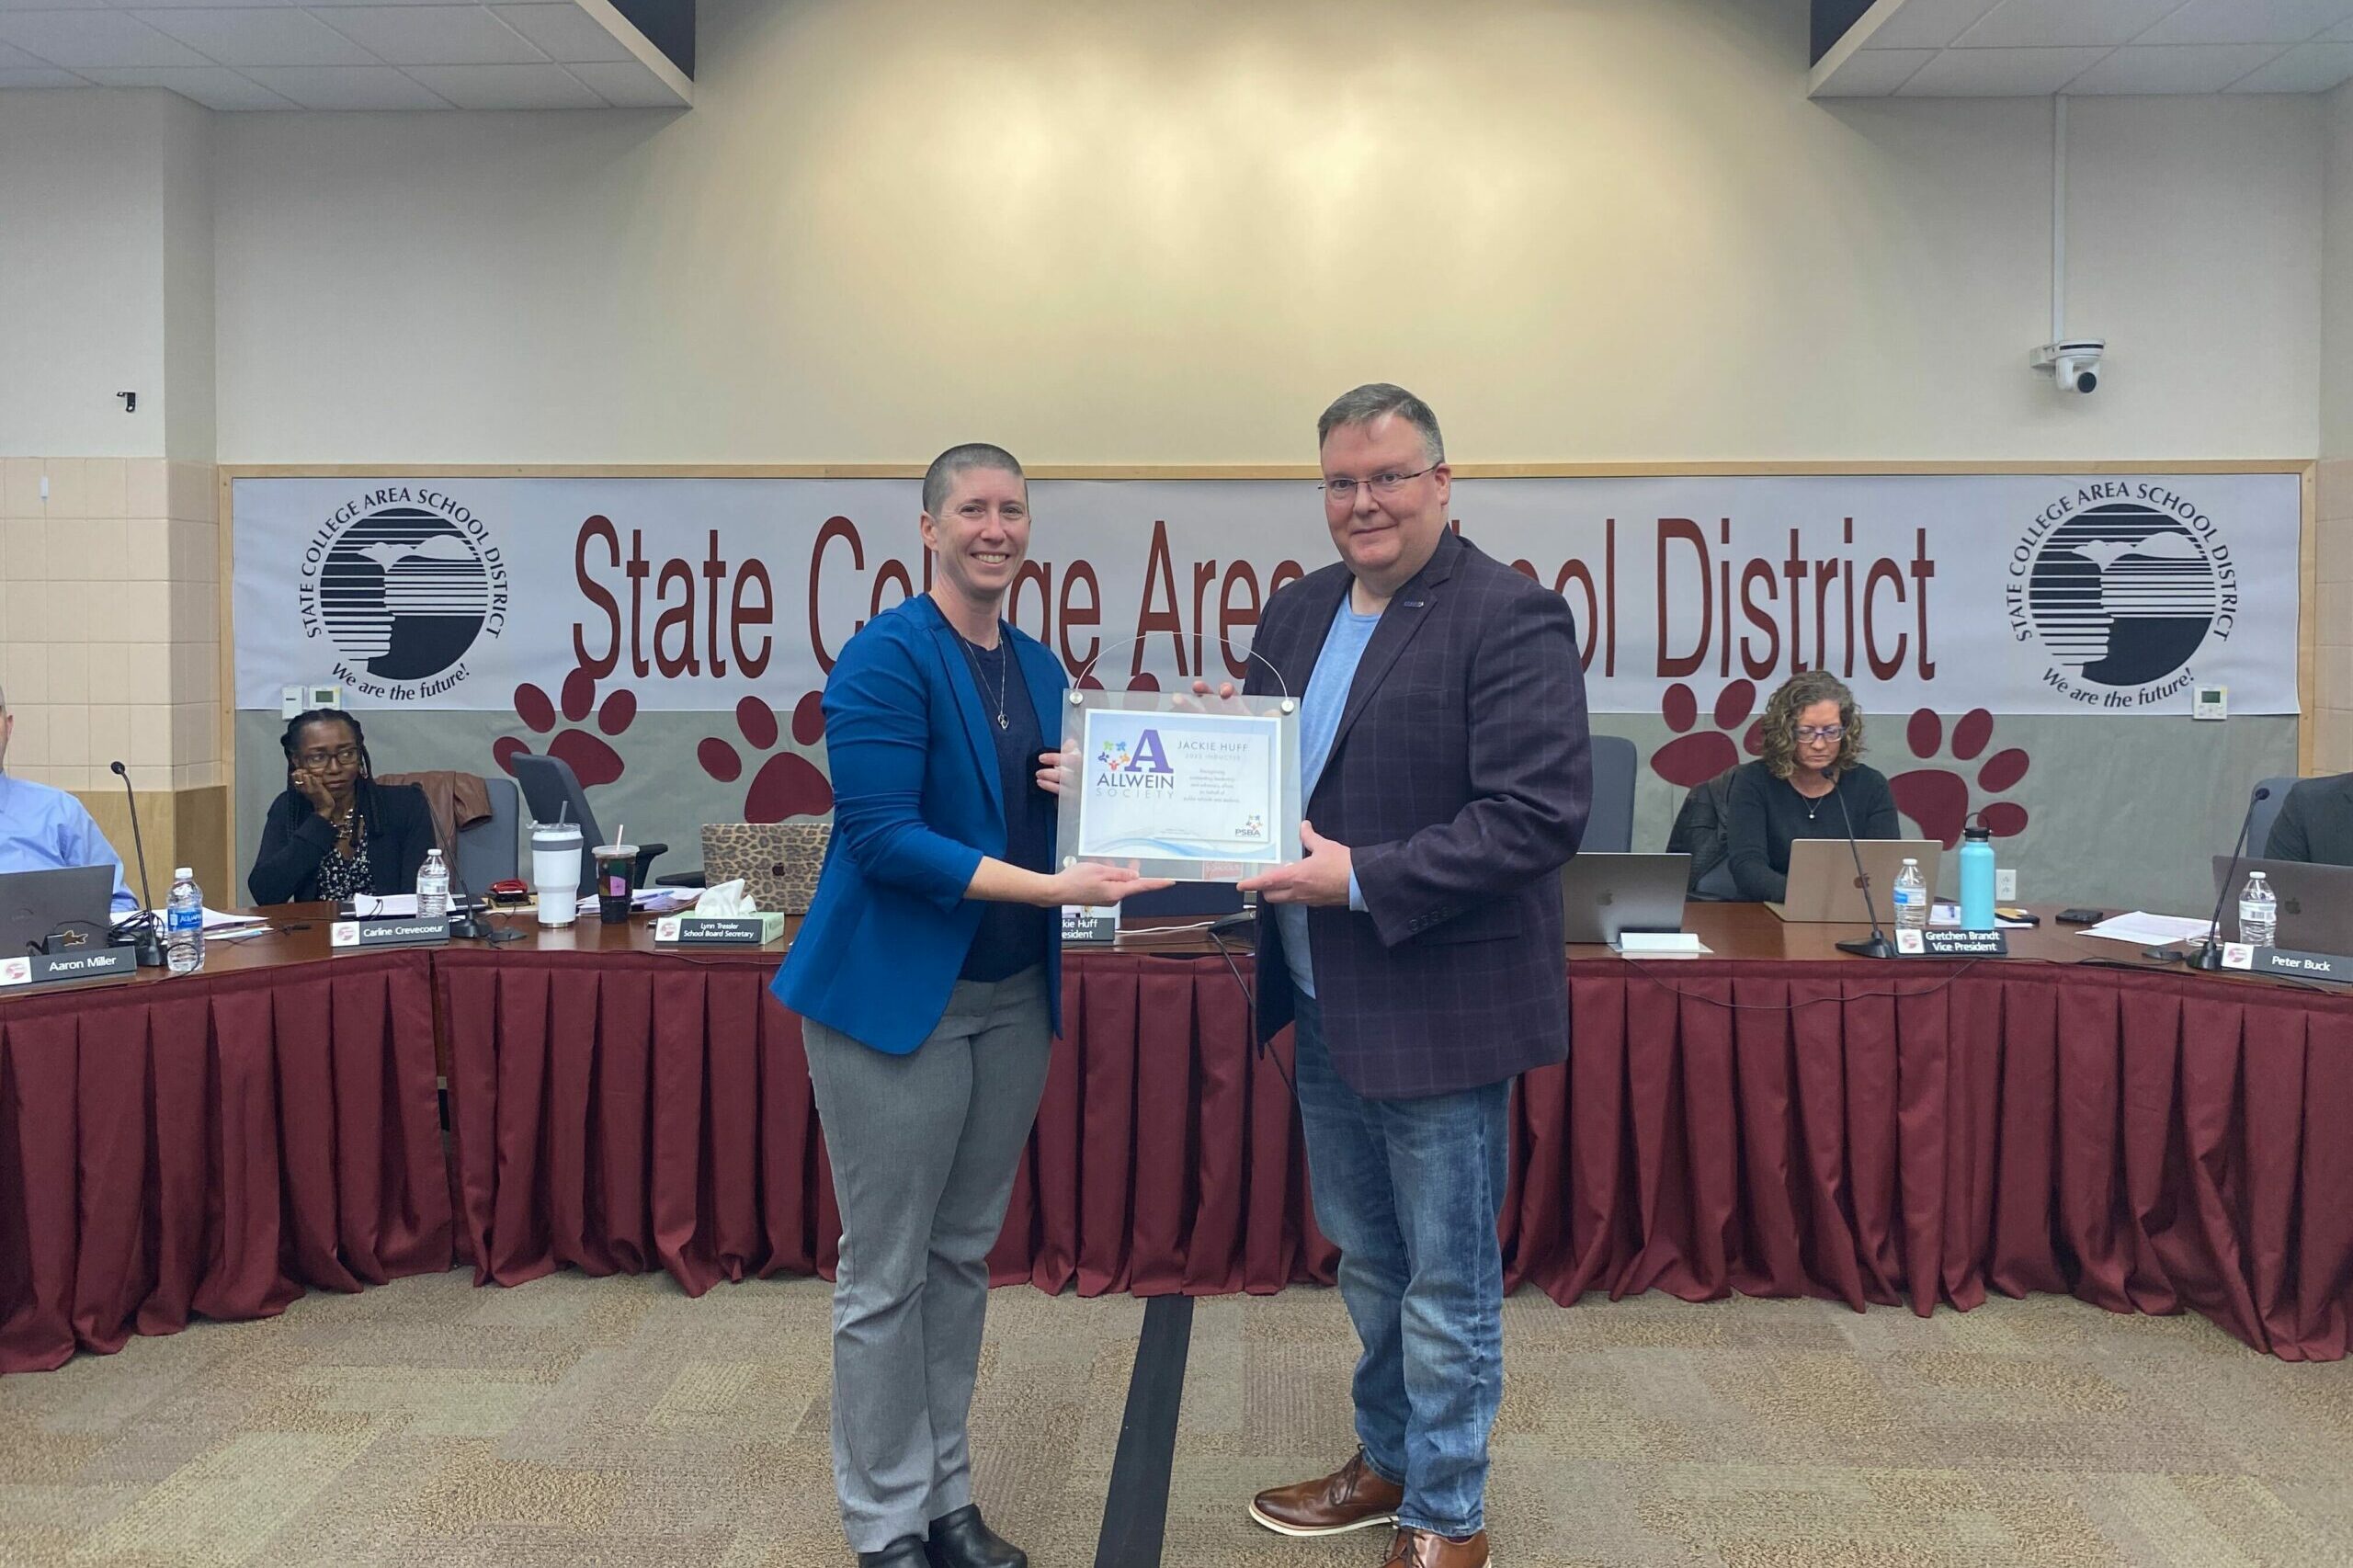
2074	365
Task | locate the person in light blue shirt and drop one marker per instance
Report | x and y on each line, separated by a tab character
44	829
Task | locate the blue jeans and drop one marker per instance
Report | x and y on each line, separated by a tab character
1410	1192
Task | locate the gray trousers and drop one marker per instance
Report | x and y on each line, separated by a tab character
923	1150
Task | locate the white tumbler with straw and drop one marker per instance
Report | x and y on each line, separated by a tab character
555	871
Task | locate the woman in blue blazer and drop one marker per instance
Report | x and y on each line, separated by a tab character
928	978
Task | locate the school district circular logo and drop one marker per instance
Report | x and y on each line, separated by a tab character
2123	593
403	582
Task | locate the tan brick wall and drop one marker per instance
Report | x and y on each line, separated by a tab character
110	647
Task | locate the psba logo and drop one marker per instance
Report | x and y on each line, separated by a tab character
403	580
2121	582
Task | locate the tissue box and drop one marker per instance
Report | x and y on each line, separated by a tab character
755	930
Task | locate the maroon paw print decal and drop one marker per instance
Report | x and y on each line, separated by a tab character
594	762
1693	759
788	784
1938	799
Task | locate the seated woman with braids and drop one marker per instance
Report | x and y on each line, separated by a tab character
335	832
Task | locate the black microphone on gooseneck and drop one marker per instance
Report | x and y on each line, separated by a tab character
2208	954
142	925
1876	945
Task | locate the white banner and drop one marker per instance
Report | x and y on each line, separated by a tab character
2017	594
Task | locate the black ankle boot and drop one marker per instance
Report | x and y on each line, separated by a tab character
907	1552
960	1540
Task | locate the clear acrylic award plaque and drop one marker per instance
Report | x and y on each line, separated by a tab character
1203	788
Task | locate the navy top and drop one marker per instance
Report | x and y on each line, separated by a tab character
1768	814
1012	936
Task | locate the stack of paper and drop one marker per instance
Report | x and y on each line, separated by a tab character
2151	930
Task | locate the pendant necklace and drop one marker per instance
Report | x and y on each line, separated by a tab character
981	678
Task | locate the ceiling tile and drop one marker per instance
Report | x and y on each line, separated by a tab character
259	36
39	76
431	35
2249	21
14	59
76	39
196	5
2174	68
1873	73
2046	24
507	86
214	86
1927	23
2307	68
633	86
346	86
52	4
2000	72
2342	34
567	32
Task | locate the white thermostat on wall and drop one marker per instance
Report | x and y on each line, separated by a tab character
2210	703
293	700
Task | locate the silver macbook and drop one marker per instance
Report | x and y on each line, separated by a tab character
2316	903
1603	896
1823	888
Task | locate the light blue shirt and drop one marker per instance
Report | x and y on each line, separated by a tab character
43	829
1319	724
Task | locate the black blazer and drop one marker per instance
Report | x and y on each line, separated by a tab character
295	838
1459	781
2315	822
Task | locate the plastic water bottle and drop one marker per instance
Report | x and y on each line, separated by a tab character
184	924
433	888
1977	878
2258	912
1911	898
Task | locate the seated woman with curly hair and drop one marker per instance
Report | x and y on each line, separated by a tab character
1810	783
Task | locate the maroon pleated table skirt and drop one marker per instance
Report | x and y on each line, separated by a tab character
2149	1141
214	1144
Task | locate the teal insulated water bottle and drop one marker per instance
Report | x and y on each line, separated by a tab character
1977	878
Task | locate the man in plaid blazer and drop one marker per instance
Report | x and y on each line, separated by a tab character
1417	949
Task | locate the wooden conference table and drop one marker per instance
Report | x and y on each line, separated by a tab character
1775	1119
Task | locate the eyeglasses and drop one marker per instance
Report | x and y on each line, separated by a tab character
1821	731
1382	484
328	758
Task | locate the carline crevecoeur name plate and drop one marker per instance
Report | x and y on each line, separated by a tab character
404	931
1202	788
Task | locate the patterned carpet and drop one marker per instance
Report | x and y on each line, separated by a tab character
614	1422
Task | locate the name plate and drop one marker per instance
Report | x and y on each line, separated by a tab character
349	936
1096	924
2280	960
1953	944
719	930
82	964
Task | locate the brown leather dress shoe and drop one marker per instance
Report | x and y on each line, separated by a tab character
1350	1498
1428	1549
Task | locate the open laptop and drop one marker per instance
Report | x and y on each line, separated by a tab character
78	899
1603	896
1822	888
2316	903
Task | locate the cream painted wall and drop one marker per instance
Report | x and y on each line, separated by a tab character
106	246
1613	230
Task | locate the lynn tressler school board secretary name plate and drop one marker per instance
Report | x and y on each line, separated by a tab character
1202	788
